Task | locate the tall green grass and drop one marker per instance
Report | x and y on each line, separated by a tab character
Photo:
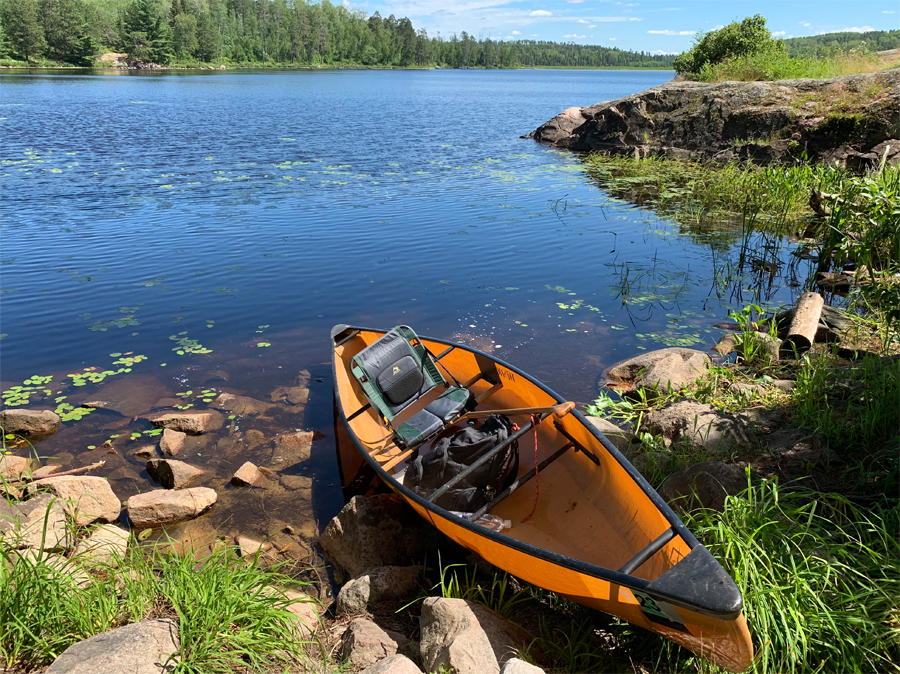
771	66
819	577
231	614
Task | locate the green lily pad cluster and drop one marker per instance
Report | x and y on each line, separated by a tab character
153	432
21	395
103	326
206	396
185	345
67	412
127	360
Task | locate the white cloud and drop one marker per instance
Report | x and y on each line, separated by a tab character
515	32
592	26
574	2
615	19
887	11
581	21
856	29
805	23
613	39
663	52
671	32
573	36
541	12
779	33
632	4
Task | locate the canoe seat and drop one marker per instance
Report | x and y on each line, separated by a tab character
402	382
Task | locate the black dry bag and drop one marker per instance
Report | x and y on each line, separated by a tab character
452	455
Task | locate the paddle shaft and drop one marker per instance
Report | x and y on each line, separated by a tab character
559	411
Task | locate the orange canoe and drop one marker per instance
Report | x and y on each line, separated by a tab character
600	534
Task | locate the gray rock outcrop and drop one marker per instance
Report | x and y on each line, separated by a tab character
700	426
705	485
140	648
757	121
659	369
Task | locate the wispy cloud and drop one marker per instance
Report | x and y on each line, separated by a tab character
582	21
541	12
671	32
779	33
573	36
613	39
887	11
857	29
515	32
805	23
574	2
592	26
663	52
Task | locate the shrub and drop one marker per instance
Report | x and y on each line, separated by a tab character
749	37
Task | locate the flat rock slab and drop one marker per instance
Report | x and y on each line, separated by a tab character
131	396
164	506
139	648
659	369
377	531
393	664
376	585
291	448
86	498
190	422
39	423
466	637
173	474
105	544
242	404
22	524
364	643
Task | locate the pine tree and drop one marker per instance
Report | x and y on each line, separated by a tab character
147	34
22	27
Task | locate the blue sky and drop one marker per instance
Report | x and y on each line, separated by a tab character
650	25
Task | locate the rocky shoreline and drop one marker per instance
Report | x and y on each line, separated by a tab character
852	120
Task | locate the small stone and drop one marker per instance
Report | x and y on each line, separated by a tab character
172	442
307	621
173	474
364	643
393	664
105	544
726	344
163	506
248	475
376	585
139	648
516	666
14	467
250	547
29	422
190	422
86	498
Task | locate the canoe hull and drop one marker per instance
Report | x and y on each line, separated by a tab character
719	635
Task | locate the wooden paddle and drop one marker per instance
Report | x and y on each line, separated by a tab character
559	411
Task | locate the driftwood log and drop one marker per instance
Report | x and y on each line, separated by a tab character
802	331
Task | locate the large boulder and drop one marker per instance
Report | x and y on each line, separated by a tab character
465	637
165	506
755	121
376	585
32	423
516	666
659	370
377	531
85	498
701	426
173	474
705	485
364	643
192	422
172	442
147	647
36	523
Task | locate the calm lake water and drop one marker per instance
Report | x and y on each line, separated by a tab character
246	213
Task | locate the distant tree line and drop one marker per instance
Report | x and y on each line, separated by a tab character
273	32
834	43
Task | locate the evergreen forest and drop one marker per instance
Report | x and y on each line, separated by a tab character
268	33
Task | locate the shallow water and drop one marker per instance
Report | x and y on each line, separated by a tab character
220	224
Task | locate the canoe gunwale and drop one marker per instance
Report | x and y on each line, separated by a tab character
732	612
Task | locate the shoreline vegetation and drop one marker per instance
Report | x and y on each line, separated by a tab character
809	532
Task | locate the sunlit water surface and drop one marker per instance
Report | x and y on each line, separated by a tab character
220	224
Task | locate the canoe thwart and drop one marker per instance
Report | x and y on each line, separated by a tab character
347	338
652	548
359	411
487	507
578	446
483	460
558	411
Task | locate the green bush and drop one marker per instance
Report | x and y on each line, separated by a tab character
747	38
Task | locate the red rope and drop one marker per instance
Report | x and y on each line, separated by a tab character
535	420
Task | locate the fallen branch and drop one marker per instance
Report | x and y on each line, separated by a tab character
74	471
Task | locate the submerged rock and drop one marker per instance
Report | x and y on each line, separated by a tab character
190	422
291	448
242	404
